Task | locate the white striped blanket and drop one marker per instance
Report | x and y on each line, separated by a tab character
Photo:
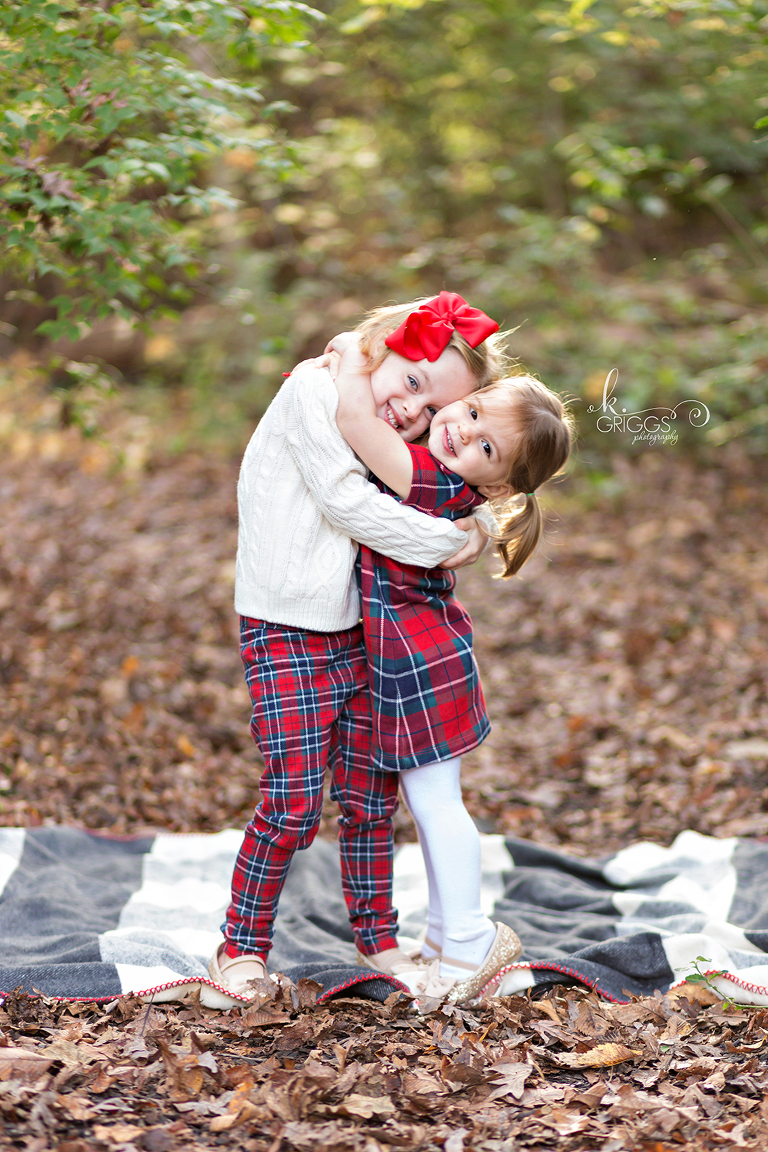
87	916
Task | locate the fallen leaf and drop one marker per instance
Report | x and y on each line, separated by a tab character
677	1029
509	1079
117	1133
419	1082
591	1021
460	1073
695	993
601	1056
78	1107
565	1123
455	1142
308	1137
546	1005
73	1055
308	991
364	1107
715	1082
246	1111
239	1108
24	1059
185	746
264	1018
101	1080
535	1097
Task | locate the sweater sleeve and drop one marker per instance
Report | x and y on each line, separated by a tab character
337	480
484	512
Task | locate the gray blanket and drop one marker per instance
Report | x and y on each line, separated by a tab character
87	916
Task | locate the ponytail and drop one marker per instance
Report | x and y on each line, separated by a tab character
519	532
544	433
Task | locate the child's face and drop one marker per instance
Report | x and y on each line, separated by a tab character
408	393
475	437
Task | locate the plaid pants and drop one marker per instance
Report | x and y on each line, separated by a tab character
311	708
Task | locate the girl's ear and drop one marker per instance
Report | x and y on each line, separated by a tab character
496	491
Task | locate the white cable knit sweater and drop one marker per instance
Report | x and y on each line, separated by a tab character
303	501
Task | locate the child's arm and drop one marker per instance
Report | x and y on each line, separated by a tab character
336	480
376	443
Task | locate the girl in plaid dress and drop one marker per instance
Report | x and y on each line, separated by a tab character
428	707
303	501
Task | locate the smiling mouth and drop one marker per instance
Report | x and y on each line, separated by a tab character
393	419
449	442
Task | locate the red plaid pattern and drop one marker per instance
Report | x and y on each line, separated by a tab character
311	709
425	687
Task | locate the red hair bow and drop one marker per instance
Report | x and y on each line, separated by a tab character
427	332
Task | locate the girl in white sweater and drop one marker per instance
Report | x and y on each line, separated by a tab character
304	501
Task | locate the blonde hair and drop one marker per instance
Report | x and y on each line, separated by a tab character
544	432
487	362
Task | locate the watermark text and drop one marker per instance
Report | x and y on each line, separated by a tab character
650	426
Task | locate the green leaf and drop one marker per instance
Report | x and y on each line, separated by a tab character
158	169
118	90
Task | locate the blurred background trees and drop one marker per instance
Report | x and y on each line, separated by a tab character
235	182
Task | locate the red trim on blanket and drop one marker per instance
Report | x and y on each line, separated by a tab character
759	988
116	995
552	967
69	999
371	974
365	975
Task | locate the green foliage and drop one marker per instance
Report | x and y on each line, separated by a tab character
712	55
590	174
111	113
605	111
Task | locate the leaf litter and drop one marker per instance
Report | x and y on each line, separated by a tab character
131	1075
625	674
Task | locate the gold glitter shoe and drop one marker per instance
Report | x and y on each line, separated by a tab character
505	948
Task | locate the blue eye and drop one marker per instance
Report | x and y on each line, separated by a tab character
413	383
432	412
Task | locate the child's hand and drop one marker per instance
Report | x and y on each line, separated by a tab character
353	383
329	360
354	362
334	363
343	341
474	547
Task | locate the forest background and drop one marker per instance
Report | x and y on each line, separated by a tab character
198	194
195	196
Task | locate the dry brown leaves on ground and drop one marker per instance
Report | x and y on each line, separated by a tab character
567	1071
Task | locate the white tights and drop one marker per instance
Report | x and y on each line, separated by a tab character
451	846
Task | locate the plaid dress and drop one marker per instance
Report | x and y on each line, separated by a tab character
426	696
